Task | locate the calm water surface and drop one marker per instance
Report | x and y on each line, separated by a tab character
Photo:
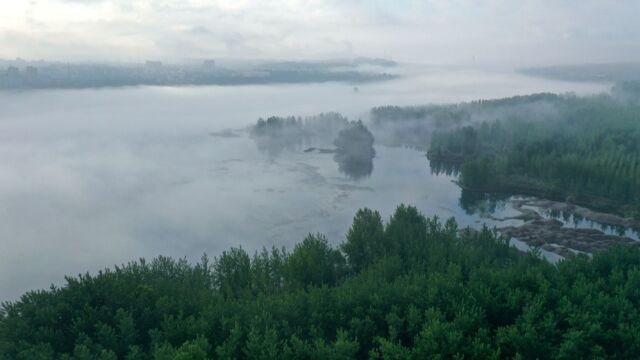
93	178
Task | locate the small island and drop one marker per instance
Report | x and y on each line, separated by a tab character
354	150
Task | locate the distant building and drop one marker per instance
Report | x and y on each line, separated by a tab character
31	72
14	79
209	64
13	71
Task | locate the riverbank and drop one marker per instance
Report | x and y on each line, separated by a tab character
600	206
552	234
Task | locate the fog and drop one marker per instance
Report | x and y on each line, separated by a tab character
93	178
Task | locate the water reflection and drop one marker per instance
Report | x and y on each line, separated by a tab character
495	205
444	168
577	221
354	167
273	146
124	173
481	203
330	133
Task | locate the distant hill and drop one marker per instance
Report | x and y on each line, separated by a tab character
612	72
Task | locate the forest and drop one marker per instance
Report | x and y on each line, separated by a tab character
324	126
414	126
587	153
410	287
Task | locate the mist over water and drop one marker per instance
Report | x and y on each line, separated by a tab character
92	178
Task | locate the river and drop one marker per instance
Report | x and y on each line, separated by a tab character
96	177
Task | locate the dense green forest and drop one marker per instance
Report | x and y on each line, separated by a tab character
414	125
588	152
408	288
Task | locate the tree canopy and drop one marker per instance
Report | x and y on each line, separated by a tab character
588	152
410	287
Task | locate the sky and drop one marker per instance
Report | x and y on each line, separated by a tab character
493	32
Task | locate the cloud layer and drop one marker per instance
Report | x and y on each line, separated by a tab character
489	31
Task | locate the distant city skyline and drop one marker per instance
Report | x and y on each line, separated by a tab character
22	74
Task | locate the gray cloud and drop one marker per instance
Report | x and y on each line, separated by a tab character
200	30
492	31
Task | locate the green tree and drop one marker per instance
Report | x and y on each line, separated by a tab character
365	239
314	262
232	272
196	349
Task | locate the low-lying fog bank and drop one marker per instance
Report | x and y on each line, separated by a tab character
92	178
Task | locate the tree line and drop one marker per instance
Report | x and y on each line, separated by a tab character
588	152
410	287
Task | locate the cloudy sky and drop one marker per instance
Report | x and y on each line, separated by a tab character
511	32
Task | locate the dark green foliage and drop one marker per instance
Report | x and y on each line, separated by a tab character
477	173
356	141
354	150
419	290
314	262
588	152
232	272
406	233
365	239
